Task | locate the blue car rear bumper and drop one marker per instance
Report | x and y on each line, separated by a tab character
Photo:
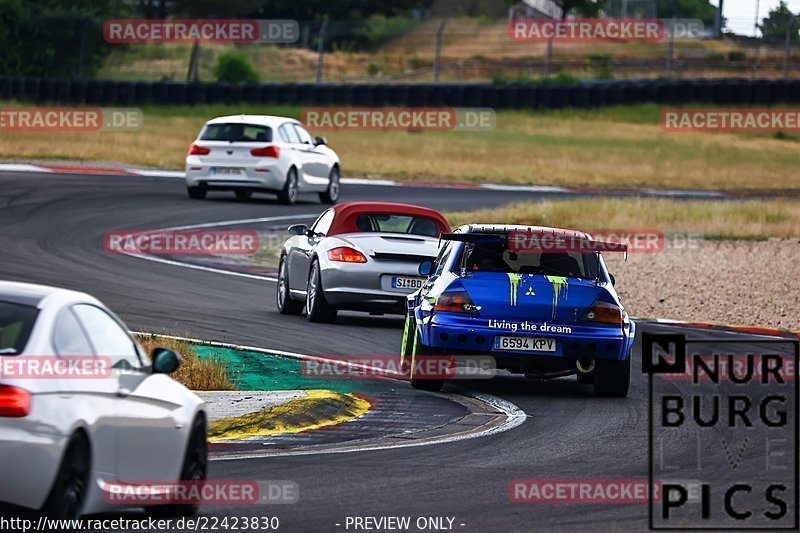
455	332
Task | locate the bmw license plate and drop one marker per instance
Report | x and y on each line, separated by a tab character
407	283
524	344
227	171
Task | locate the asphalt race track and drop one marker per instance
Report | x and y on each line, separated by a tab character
52	233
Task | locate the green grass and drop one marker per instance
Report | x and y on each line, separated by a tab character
608	147
753	220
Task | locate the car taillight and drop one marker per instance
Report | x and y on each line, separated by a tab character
343	254
267	151
603	312
455	302
14	402
198	150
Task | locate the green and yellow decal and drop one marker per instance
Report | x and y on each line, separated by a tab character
559	285
514	287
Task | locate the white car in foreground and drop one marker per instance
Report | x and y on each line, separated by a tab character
261	153
68	439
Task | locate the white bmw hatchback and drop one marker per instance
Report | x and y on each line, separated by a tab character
82	410
261	153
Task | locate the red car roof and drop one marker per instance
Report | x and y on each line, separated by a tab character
344	220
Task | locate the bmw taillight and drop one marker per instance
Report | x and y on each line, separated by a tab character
198	150
344	254
603	312
455	302
14	402
267	151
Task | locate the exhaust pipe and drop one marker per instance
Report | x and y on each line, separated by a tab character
584	365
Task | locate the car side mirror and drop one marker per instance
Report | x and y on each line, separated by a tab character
165	361
320	140
613	280
298	229
425	268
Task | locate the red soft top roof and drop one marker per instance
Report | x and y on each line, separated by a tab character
344	221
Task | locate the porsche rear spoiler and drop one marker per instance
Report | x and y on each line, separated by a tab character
542	242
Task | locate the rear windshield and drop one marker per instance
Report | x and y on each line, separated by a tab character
16	323
496	257
236	132
397	224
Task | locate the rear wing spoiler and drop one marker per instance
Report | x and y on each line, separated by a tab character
541	242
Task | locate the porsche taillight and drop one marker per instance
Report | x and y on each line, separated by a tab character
14	402
455	302
603	312
345	254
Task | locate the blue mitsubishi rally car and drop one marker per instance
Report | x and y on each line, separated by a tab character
546	311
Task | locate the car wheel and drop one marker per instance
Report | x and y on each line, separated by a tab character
243	195
613	378
197	193
69	490
331	194
286	306
288	194
194	470
317	307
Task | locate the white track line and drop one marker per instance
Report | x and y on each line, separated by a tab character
214	225
514	415
158	173
15	167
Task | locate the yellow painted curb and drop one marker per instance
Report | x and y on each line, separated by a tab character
317	409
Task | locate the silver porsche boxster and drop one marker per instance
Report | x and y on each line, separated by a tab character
361	256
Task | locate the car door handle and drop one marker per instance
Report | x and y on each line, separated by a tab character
122	392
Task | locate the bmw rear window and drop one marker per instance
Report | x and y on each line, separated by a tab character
16	323
236	133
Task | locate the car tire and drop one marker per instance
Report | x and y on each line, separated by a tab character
196	193
194	469
613	378
286	306
332	193
243	195
288	195
317	307
71	485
